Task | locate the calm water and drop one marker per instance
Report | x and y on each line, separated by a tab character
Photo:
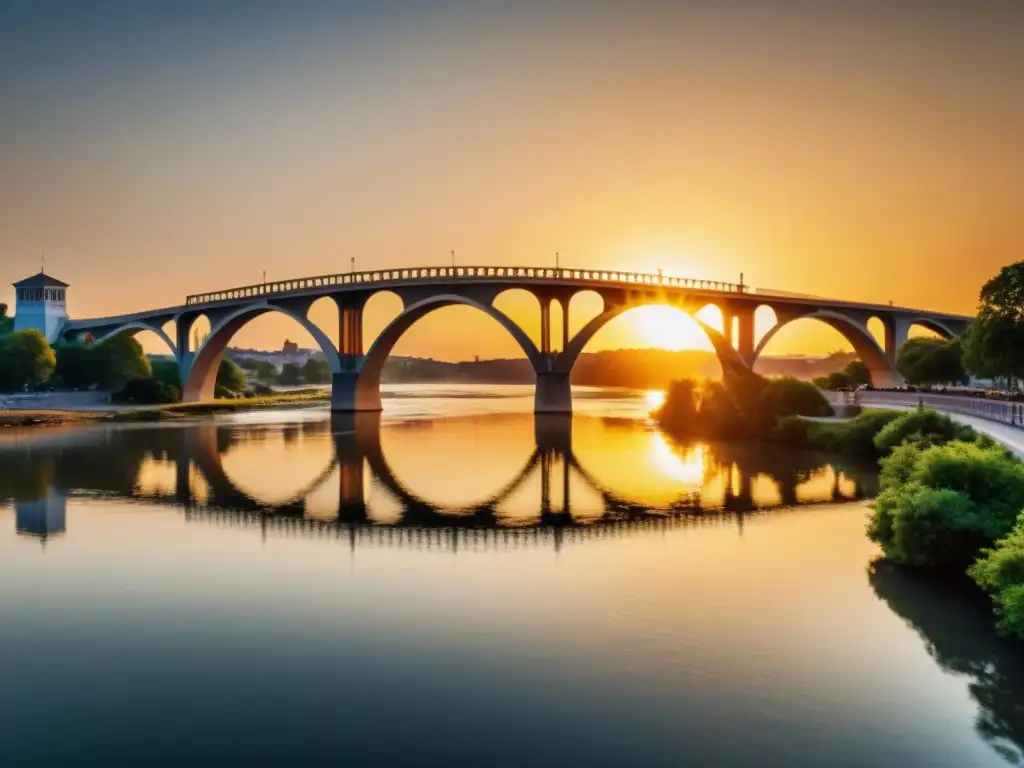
459	584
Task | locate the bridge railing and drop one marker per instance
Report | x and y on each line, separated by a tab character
470	273
1002	411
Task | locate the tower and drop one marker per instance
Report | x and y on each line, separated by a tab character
41	303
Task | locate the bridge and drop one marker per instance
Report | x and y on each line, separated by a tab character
356	372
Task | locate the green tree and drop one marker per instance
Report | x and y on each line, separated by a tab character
166	372
940	505
859	373
931	361
231	377
119	360
787	396
76	366
26	360
316	371
924	427
291	374
821	382
1000	572
994	344
6	322
839	380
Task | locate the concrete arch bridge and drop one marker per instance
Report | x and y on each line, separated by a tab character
356	372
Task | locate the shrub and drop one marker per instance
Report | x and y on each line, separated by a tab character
854	437
148	392
1001	573
791	397
941	504
923	426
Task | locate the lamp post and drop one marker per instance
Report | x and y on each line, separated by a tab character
352	265
453	259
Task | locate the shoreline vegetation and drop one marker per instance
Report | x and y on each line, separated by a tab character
950	498
48	417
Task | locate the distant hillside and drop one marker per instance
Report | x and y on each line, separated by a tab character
634	368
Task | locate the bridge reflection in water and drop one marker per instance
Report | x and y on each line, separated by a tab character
508	479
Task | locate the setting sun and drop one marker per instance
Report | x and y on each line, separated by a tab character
669	328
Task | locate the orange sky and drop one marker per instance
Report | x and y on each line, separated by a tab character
863	153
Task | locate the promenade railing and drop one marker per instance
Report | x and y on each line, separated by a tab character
1002	411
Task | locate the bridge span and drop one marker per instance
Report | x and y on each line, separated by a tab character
357	371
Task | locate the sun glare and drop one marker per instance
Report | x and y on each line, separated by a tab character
668	328
655	398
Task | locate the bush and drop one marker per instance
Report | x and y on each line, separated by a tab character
231	378
940	505
148	392
791	397
924	427
1001	573
853	437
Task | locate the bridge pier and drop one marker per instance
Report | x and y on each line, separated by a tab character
553	393
353	393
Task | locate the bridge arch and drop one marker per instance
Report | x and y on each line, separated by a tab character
360	390
883	369
134	328
728	357
935	326
199	374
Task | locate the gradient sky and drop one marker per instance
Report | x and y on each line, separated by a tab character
862	150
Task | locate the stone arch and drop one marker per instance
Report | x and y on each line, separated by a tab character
728	357
883	370
201	375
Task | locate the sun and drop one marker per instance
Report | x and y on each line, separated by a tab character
668	328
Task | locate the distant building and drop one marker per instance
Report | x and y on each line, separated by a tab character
290	348
41	304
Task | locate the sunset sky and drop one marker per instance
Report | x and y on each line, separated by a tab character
861	150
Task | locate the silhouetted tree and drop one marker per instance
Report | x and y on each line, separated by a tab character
291	374
316	371
994	343
931	361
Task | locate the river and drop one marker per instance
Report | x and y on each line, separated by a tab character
457	583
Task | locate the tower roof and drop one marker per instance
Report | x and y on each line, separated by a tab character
41	280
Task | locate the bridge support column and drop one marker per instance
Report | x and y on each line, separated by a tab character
352	393
746	336
553	393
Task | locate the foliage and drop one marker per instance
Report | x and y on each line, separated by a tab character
838	380
75	366
931	361
119	360
316	371
853	437
940	505
858	372
994	344
264	370
26	360
791	397
150	391
231	379
6	322
924	426
1001	573
291	374
745	404
166	372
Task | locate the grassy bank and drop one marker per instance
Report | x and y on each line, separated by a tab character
43	418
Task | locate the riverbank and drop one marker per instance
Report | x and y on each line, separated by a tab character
56	417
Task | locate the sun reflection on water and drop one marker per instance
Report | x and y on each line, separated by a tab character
687	467
655	398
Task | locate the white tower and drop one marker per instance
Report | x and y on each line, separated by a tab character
41	303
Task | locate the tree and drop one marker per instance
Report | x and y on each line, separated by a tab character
166	372
119	360
858	372
316	371
940	505
26	360
231	377
6	323
1000	572
931	361
76	366
924	427
994	343
291	374
839	380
